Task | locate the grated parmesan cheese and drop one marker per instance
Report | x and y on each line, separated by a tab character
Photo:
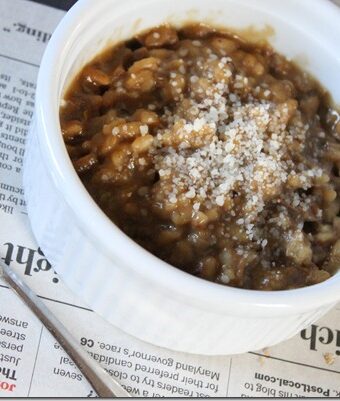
215	144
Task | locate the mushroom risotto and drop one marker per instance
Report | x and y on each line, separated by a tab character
219	156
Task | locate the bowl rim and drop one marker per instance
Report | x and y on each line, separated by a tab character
104	233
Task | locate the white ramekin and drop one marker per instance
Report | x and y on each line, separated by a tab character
129	287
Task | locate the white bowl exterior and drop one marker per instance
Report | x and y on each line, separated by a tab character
127	300
112	286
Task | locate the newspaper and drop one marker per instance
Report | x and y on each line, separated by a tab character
32	364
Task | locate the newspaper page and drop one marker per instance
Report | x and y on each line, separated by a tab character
32	363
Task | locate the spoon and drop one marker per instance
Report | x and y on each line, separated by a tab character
100	380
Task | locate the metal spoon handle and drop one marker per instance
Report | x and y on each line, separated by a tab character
101	381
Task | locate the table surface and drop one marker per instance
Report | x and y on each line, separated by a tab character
67	4
62	4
